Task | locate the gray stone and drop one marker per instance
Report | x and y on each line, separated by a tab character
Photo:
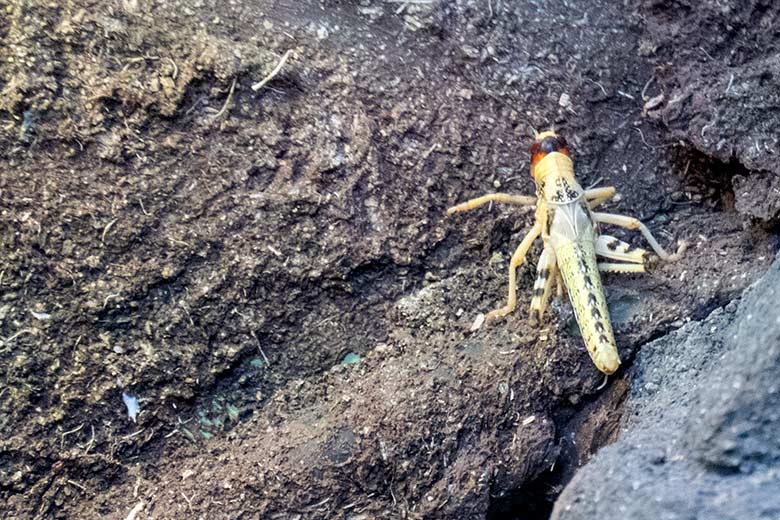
700	435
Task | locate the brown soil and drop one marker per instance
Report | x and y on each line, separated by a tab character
169	233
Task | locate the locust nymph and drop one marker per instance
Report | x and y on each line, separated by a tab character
569	227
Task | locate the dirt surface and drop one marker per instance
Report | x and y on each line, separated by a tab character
270	273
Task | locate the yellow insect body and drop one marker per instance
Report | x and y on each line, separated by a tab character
578	266
567	224
569	230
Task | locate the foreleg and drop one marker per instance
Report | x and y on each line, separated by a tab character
520	200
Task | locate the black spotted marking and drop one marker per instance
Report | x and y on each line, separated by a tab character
544	273
603	338
629	249
550	218
566	188
597	314
539	291
613	245
586	209
600	327
589	282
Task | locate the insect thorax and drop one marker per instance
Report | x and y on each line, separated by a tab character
555	182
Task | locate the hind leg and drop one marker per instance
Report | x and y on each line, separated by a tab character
632	223
546	277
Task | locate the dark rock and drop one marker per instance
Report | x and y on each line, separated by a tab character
722	97
699	436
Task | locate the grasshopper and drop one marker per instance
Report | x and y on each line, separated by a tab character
570	230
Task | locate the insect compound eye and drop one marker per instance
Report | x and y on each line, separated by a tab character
550	144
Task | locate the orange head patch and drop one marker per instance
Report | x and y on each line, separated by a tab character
547	142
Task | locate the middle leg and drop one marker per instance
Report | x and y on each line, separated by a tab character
546	276
598	196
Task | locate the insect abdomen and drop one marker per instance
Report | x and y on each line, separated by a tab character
577	262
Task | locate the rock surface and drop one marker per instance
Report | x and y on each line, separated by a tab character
717	65
699	436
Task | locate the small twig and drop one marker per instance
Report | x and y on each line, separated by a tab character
731	80
642	136
430	150
189	500
175	69
599	85
133	512
706	127
260	348
110	297
260	84
227	100
16	335
62	438
178	242
702	49
647	85
76	484
127	437
91	442
105	231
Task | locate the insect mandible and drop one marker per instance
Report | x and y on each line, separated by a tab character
569	227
